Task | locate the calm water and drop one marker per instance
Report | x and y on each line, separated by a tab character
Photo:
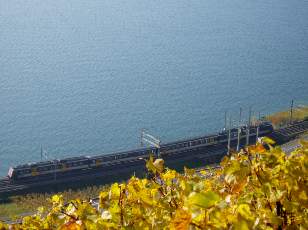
85	76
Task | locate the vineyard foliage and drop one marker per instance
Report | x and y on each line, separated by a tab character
253	189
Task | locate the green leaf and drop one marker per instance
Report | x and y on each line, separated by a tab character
268	140
241	225
150	165
244	211
203	200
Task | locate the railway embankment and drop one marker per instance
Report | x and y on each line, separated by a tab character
283	118
239	191
29	203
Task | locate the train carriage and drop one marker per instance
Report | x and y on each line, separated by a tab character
74	164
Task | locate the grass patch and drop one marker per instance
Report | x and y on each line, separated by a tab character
282	118
31	202
9	210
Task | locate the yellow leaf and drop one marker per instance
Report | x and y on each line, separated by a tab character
115	209
146	199
115	191
72	225
203	200
3	226
244	211
56	199
103	196
267	140
181	221
258	148
150	165
241	225
169	175
159	165
303	195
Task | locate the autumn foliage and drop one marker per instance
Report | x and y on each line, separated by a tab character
253	189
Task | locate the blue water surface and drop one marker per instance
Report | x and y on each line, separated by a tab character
84	77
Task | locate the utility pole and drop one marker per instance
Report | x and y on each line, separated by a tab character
158	150
152	141
239	131
248	127
257	134
141	137
259	116
258	124
238	138
226	120
229	135
41	152
55	167
291	111
240	120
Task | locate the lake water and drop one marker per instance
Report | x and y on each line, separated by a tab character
84	77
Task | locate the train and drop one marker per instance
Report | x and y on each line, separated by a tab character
72	166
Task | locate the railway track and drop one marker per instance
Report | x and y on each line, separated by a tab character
200	153
290	132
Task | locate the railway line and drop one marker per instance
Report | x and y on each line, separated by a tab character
289	132
193	152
